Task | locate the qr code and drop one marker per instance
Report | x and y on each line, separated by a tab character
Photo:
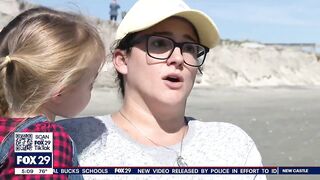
23	142
33	142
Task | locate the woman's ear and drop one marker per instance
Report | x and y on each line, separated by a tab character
120	61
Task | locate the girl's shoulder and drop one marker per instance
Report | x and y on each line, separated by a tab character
10	124
45	126
59	134
61	140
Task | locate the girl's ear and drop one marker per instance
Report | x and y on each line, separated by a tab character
56	97
120	61
54	100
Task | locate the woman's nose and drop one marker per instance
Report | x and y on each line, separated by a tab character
176	57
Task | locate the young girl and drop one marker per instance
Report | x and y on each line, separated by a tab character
161	46
49	62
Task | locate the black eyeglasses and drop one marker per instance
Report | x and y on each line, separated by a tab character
161	48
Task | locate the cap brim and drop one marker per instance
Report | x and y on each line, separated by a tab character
207	30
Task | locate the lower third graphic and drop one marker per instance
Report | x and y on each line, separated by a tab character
33	152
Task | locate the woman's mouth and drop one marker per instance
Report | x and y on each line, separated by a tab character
173	81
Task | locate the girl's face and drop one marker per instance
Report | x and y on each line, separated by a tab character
168	81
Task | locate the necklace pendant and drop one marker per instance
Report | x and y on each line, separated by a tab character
181	162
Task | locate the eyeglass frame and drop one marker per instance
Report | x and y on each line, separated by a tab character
137	40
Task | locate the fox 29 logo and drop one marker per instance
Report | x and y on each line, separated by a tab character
36	160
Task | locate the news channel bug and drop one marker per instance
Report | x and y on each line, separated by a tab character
33	152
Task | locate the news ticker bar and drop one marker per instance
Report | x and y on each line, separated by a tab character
174	170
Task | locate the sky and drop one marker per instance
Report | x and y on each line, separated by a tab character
266	21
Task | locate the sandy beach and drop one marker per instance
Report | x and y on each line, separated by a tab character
283	121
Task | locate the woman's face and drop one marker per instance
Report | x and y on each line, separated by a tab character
167	81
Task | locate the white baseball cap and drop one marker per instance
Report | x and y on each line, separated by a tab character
146	13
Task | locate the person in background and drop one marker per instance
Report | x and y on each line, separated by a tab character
48	63
114	6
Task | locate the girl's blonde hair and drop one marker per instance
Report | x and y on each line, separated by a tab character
41	51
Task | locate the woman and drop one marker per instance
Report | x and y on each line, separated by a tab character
161	46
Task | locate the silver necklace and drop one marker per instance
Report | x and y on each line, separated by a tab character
179	160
